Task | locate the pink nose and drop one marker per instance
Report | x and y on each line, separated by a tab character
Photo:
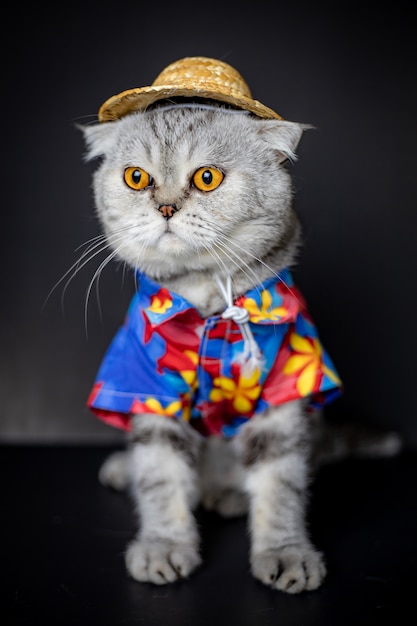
167	210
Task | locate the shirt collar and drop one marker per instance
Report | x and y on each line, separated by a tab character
274	301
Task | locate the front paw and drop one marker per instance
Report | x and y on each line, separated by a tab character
161	561
291	568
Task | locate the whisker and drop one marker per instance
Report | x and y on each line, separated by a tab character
225	249
268	267
94	245
96	277
233	256
124	272
91	241
238	245
75	267
216	256
95	251
136	267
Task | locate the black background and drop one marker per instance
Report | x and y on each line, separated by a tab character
67	567
349	72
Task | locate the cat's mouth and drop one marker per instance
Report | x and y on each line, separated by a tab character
170	237
168	232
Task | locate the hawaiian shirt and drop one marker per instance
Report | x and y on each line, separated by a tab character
167	359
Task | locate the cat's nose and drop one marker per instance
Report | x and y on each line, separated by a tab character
167	210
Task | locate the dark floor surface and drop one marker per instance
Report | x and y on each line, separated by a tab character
63	538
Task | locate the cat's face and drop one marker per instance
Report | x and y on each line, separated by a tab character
186	189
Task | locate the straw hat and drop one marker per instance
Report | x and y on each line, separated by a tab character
190	77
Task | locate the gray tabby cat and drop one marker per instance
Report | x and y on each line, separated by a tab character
191	194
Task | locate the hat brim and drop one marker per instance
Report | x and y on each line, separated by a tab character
140	99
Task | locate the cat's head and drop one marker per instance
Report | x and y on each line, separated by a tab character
191	188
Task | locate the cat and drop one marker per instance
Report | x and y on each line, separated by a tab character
218	365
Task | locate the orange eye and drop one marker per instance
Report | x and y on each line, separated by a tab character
207	178
136	178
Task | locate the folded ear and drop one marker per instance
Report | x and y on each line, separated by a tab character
99	139
283	136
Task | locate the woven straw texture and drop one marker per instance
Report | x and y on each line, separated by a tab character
189	77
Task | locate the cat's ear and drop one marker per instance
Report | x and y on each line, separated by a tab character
283	136
99	139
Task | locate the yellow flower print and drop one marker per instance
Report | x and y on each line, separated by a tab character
156	407
161	302
307	361
190	376
242	394
266	312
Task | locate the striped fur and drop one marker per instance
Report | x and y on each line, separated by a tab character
249	230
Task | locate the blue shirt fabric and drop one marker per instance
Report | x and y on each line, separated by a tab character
167	359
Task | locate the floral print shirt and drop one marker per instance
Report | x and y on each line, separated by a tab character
167	359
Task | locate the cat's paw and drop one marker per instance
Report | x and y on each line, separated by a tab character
161	561
291	568
115	471
227	502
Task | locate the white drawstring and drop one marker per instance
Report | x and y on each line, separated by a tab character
251	357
